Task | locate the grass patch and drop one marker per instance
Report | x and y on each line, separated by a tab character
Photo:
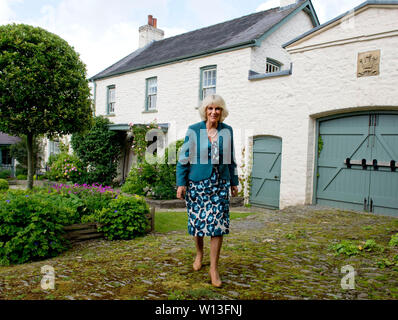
177	221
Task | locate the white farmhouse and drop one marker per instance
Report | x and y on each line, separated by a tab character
308	103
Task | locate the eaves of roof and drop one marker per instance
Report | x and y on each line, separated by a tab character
242	45
362	5
302	5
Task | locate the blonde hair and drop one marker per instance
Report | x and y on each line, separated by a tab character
213	99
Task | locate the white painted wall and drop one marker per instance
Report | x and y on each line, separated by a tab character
271	47
323	82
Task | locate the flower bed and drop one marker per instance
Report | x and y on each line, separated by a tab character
32	222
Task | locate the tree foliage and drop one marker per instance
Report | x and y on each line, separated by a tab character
43	85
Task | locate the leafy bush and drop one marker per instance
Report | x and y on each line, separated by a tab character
86	198
99	150
124	218
394	240
157	180
21	177
5	174
3	185
371	245
66	167
345	247
31	227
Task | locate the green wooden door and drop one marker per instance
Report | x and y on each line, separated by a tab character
383	195
360	185
266	172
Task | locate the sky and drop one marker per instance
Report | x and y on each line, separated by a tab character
103	31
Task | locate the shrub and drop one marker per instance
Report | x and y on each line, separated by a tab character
124	218
394	240
3	185
21	177
31	227
99	150
5	174
345	247
66	167
86	198
157	180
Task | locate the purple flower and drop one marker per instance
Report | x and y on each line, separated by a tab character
8	201
115	211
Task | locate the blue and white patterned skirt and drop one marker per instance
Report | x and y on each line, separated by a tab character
208	206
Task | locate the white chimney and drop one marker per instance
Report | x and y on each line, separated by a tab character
150	32
285	3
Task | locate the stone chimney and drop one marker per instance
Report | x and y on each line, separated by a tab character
150	32
285	3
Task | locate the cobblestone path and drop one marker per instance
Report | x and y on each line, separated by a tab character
283	254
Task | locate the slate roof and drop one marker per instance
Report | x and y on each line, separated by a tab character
6	139
230	34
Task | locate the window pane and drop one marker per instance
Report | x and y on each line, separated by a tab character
152	102
111	95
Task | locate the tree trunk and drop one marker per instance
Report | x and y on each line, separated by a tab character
30	160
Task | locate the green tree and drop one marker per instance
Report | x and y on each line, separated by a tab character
99	149
43	86
19	151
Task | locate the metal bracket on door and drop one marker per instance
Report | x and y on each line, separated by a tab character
392	164
371	205
365	206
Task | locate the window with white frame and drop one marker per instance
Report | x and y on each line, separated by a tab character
273	66
110	109
208	81
53	147
152	92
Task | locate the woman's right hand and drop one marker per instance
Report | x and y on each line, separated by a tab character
181	192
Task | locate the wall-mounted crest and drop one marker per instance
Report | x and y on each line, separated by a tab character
368	64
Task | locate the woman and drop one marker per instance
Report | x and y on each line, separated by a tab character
205	171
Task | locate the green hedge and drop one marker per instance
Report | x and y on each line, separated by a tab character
3	185
124	218
5	174
32	222
31	227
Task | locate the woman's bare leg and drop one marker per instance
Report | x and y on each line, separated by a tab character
197	265
215	248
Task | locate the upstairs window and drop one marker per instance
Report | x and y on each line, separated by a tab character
111	101
151	93
208	81
272	66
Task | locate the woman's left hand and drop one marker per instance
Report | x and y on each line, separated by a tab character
234	191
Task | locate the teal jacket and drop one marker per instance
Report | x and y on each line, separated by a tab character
195	162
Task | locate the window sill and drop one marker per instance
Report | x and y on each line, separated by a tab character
150	111
258	76
110	115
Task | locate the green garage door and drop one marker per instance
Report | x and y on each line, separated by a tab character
357	163
266	172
